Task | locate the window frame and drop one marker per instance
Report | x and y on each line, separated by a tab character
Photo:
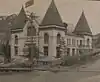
16	39
46	38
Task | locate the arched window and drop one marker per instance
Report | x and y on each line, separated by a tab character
88	41
58	38
46	38
31	31
16	39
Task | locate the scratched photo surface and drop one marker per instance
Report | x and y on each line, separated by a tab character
49	40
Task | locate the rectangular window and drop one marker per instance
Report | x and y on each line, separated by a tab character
45	41
81	42
16	50
73	42
68	51
58	52
73	52
45	51
16	39
68	41
46	38
77	42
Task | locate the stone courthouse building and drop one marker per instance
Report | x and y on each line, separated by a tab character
47	34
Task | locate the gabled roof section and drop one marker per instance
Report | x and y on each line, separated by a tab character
82	26
52	16
19	22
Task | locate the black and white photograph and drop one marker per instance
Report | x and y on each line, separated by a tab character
49	40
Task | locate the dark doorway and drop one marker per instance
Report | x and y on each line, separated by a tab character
73	52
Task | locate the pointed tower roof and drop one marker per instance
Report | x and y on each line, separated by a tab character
19	22
52	16
82	26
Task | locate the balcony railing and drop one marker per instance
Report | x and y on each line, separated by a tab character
84	46
31	39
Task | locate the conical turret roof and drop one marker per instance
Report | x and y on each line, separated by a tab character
82	26
52	16
19	22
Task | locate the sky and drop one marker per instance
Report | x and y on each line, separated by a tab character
70	10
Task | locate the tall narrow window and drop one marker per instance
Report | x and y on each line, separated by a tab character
58	52
31	31
68	51
68	41
80	42
73	42
58	38
16	50
16	39
46	38
73	52
45	51
88	42
77	42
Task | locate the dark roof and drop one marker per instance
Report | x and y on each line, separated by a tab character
19	22
4	30
52	16
3	26
82	26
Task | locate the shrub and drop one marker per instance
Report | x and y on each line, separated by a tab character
70	60
82	59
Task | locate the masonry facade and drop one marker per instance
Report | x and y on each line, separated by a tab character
47	35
